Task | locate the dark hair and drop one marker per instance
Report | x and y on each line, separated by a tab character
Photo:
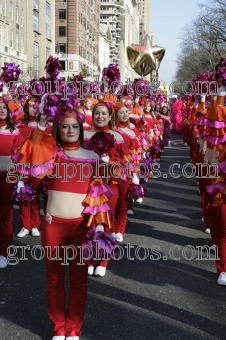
111	123
56	135
9	125
26	112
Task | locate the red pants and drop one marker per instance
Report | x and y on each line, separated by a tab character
65	232
186	133
6	214
193	145
118	203
30	214
221	242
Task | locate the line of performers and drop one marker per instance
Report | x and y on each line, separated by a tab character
202	120
106	131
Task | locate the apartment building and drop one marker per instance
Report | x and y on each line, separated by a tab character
144	13
77	36
27	34
123	19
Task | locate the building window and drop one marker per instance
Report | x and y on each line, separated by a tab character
62	48
36	3
36	59
22	18
11	10
11	39
35	21
48	20
22	44
17	15
48	52
62	14
17	42
62	31
63	65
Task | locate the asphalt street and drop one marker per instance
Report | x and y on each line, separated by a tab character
162	286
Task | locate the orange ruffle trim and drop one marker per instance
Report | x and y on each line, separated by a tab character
215	132
39	149
95	201
100	218
217	113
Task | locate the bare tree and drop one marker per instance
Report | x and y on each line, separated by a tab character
203	41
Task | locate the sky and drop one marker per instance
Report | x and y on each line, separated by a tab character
167	19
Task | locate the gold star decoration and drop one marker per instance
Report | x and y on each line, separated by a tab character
145	58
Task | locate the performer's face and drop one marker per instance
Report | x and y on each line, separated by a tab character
157	108
101	116
147	107
164	110
88	104
123	114
69	130
31	109
3	111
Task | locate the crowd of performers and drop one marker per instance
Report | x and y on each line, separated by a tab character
202	120
105	146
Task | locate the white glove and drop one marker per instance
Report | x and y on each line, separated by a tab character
137	99
196	102
221	91
203	98
113	235
105	158
144	155
20	185
135	179
5	89
42	104
99	227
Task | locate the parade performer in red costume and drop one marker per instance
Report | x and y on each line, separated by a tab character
87	105
30	213
122	126
8	135
103	121
71	187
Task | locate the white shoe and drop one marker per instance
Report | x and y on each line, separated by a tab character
139	200
119	237
100	271
72	338
207	231
35	232
23	232
129	212
3	262
58	337
90	270
222	279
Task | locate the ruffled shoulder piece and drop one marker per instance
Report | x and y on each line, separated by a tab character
96	204
36	155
